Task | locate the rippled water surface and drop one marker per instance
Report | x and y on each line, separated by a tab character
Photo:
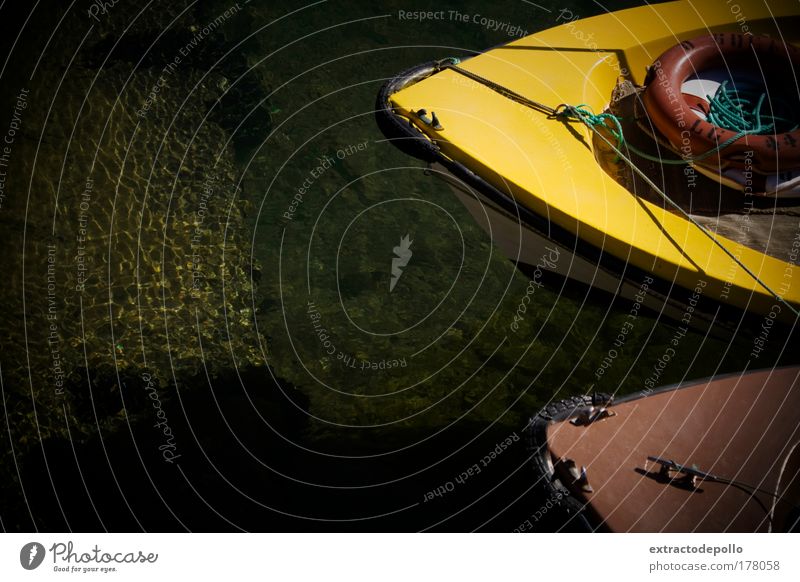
236	351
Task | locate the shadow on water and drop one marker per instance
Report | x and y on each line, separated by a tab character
234	454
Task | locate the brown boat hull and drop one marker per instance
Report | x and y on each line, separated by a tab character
743	428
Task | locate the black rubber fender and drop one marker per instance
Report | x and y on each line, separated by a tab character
571	511
403	134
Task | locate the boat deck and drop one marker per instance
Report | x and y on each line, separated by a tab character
742	427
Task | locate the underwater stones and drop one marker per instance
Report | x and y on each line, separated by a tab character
134	209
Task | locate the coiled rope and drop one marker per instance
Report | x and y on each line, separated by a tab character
740	109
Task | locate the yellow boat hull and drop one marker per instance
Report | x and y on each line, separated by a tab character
548	167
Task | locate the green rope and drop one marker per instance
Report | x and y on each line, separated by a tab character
728	108
740	110
586	115
592	122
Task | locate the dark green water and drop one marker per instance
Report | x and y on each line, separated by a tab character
301	392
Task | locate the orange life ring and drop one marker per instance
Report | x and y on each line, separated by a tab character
671	112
